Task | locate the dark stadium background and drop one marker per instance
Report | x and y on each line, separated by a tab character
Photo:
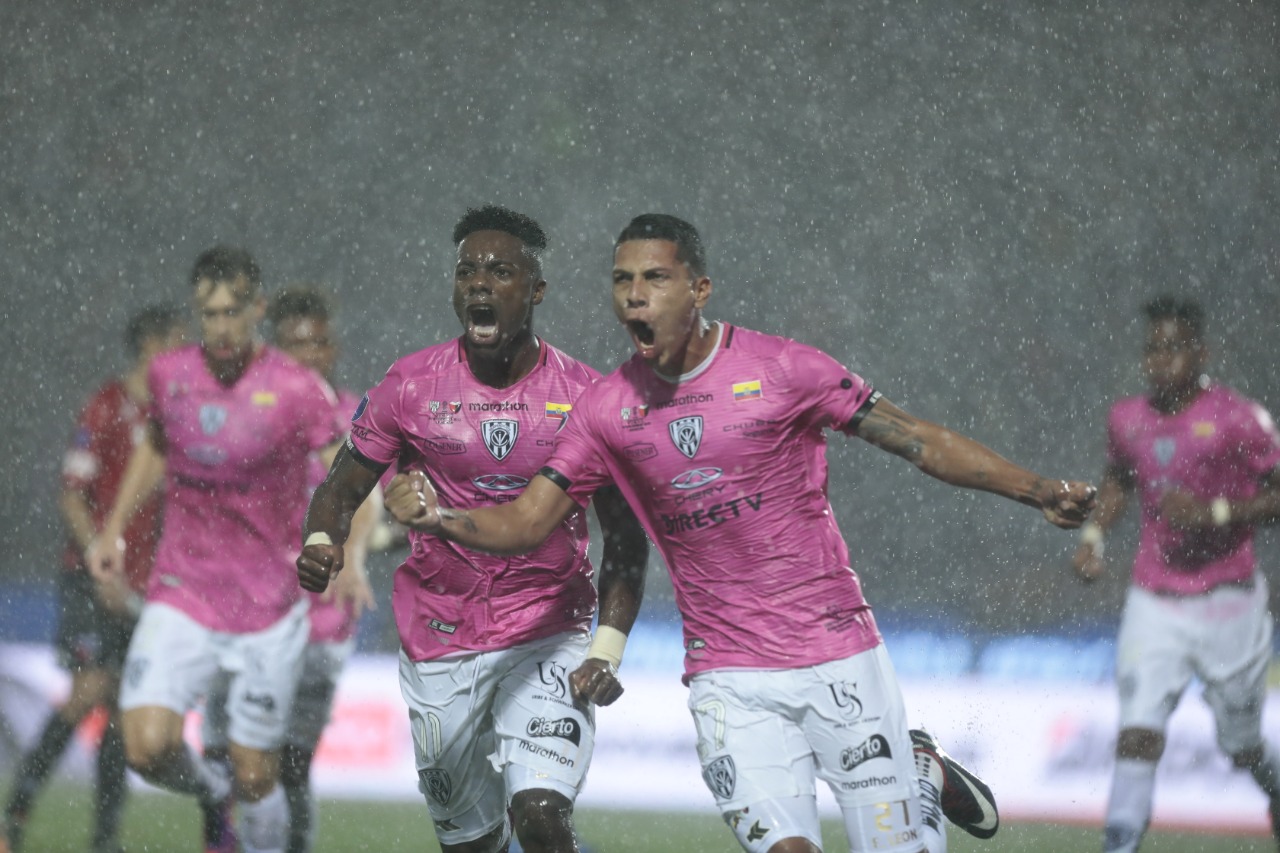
966	202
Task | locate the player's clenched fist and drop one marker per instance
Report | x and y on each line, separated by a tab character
319	562
411	500
596	681
1068	504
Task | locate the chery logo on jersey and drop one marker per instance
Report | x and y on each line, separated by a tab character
696	478
499	436
499	482
686	434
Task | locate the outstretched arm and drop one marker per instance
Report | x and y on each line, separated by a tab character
105	555
329	519
622	576
1179	507
1113	497
514	528
961	461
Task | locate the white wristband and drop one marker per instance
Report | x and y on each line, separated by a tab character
608	644
318	538
1091	535
1221	510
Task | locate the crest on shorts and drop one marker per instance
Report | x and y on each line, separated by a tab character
721	776
435	783
499	436
686	434
212	418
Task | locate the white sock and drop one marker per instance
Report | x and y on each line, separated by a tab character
264	825
1129	808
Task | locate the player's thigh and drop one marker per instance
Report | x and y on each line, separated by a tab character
1232	661
545	739
1153	658
264	667
171	662
750	744
450	703
322	665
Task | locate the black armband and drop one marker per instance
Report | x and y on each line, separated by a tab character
556	477
364	461
863	410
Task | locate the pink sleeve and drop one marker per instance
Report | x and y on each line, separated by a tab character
579	454
375	427
830	392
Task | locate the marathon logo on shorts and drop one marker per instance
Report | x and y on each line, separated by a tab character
265	701
566	728
499	436
721	776
543	752
875	746
435	783
869	782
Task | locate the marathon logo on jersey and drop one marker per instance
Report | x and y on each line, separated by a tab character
746	391
721	776
686	434
435	783
686	400
558	412
446	446
212	418
713	515
504	406
696	478
566	728
1164	449
364	404
846	698
499	436
499	482
876	746
639	452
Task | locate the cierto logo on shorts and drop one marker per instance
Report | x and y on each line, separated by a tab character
566	728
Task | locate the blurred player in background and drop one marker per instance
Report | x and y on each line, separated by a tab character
1203	461
492	647
94	624
233	424
714	434
302	323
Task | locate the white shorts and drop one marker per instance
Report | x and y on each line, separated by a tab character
763	735
1222	637
488	725
322	665
173	661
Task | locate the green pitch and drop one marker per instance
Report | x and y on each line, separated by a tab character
160	823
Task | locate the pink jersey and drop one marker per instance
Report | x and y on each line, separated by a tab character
330	623
481	446
1222	445
727	471
237	464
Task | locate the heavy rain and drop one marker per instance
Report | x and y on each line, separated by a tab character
965	203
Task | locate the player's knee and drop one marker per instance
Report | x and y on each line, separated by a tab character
1140	744
254	781
541	816
146	747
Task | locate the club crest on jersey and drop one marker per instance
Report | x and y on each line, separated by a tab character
212	418
499	436
686	434
1164	448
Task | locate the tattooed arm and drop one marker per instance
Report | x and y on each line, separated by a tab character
961	461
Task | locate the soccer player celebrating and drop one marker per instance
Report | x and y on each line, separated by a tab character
491	646
1203	460
95	624
302	326
714	434
231	428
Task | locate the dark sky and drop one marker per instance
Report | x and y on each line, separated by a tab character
965	202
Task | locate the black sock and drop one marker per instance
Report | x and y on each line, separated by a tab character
295	778
37	764
112	786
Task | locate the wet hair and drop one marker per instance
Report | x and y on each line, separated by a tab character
299	300
227	264
663	226
491	217
154	321
1185	311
